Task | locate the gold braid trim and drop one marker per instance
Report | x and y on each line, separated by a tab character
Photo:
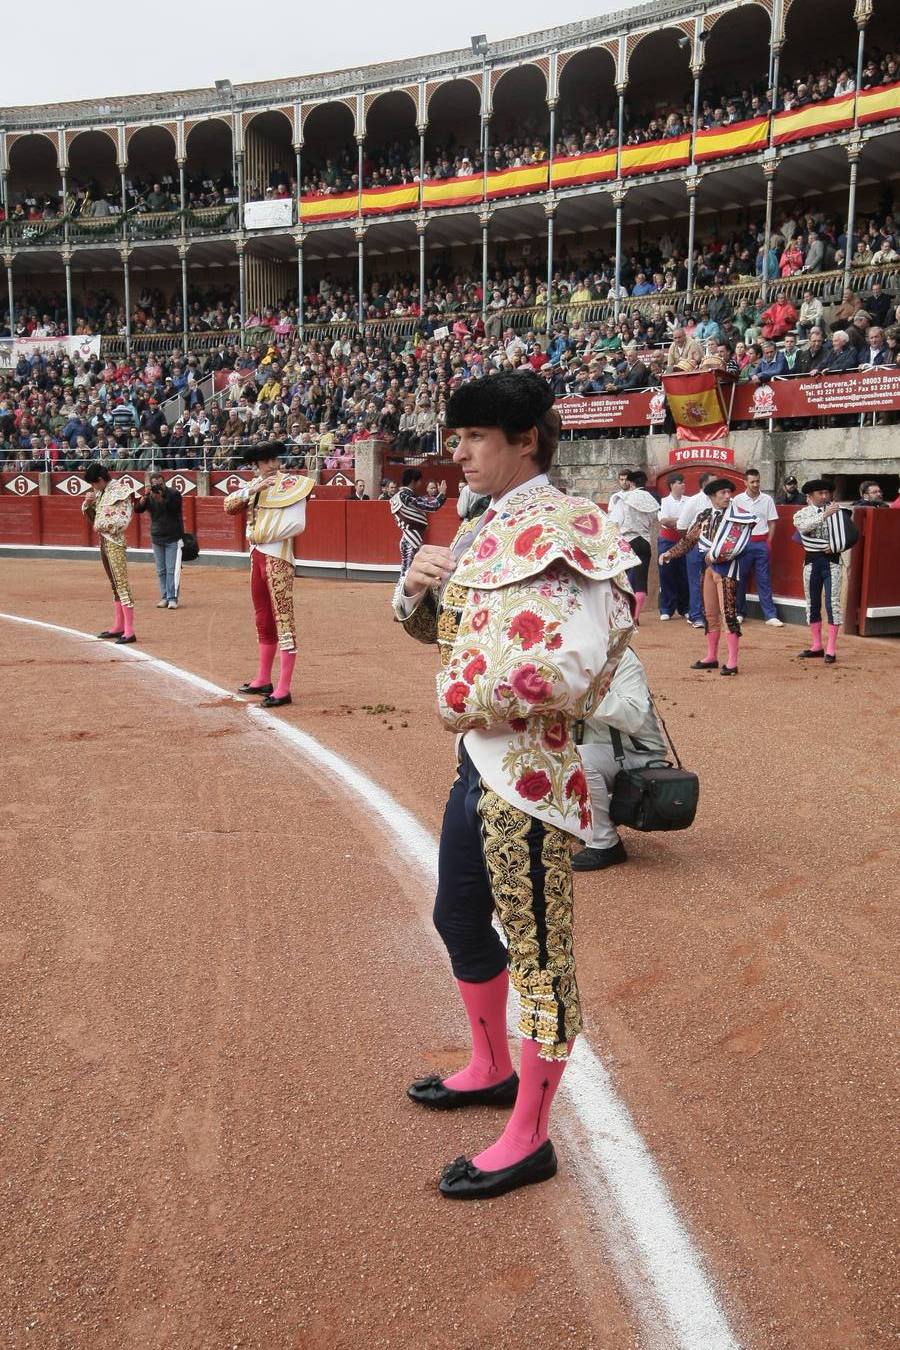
548	992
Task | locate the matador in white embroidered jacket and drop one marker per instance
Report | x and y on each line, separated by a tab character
531	610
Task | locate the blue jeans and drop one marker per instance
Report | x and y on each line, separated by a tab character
168	568
674	596
694	568
755	559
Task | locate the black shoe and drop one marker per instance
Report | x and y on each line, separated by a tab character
110	633
829	659
462	1180
812	651
120	641
270	702
704	665
728	670
433	1092
249	688
595	859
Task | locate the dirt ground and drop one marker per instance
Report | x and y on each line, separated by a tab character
216	981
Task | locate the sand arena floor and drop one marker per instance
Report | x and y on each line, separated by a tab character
217	977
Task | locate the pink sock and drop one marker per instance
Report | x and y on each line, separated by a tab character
128	619
267	652
712	645
285	671
486	1009
119	620
732	641
831	649
816	630
640	600
526	1128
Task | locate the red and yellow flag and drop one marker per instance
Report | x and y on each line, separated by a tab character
697	405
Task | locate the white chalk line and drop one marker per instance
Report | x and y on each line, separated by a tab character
679	1290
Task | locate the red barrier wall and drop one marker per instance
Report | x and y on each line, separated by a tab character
62	522
879	548
325	536
20	519
787	557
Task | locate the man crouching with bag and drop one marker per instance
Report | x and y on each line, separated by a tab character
625	715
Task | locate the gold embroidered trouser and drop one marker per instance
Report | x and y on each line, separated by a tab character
112	555
529	867
272	591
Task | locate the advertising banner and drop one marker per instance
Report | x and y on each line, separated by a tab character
864	391
643	408
274	213
83	348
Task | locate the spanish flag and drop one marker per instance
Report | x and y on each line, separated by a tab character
569	170
654	156
697	405
738	139
381	201
877	105
516	182
452	191
337	206
801	124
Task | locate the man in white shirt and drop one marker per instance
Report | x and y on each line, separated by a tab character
627	709
690	510
674	596
756	557
531	611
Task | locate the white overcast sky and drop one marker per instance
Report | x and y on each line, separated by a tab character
130	49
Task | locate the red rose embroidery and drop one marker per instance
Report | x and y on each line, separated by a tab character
518	723
528	627
542	550
556	736
554	643
526	541
584	816
456	695
487	548
582	559
479	619
477	666
533	786
586	524
577	786
530	685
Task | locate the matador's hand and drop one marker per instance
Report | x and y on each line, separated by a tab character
430	567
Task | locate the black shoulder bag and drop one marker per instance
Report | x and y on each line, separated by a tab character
190	549
658	797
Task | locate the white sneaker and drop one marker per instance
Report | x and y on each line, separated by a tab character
173	604
161	604
742	618
774	623
696	623
664	618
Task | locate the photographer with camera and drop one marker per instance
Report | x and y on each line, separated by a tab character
166	533
625	714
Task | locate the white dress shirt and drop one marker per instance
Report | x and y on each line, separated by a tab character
763	507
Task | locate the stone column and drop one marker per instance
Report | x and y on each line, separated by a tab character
854	151
769	169
693	187
421	226
183	256
125	254
301	307
618	197
359	235
67	266
369	461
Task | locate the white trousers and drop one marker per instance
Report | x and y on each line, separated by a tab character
600	769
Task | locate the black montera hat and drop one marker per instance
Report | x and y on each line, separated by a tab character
514	400
264	450
717	485
818	485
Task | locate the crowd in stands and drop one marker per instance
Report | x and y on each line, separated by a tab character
582	129
807	241
323	396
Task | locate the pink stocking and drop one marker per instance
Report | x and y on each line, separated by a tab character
816	631
267	652
128	618
712	644
732	640
526	1128
119	620
486	1009
831	649
640	600
285	671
